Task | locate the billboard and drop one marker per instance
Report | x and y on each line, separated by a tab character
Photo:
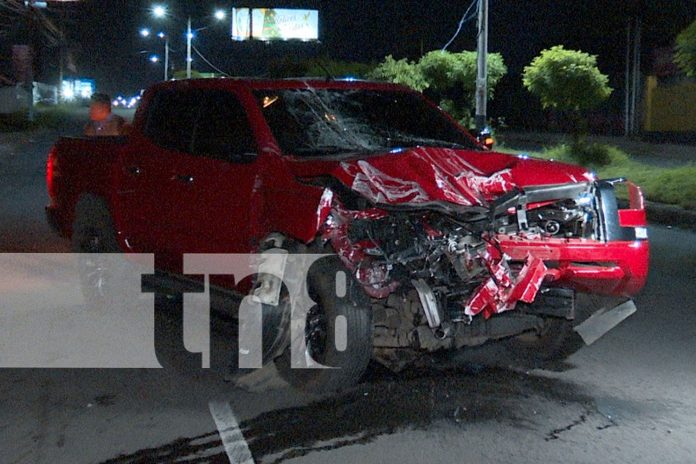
275	24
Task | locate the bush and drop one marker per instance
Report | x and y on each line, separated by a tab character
401	71
593	156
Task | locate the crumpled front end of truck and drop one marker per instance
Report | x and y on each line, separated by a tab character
494	246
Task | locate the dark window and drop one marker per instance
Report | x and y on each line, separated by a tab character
171	119
223	130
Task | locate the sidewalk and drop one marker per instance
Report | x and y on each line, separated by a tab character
655	154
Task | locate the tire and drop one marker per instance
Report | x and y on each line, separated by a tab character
93	233
554	342
275	326
348	365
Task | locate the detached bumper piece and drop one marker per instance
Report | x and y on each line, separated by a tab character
603	321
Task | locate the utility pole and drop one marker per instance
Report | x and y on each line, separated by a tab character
636	75
482	66
29	84
166	58
632	80
189	36
627	83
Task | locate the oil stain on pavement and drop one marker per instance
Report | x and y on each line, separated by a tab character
386	403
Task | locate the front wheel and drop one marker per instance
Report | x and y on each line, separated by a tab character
350	310
555	341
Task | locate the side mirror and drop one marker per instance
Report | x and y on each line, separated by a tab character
486	139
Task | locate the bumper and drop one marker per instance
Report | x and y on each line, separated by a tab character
612	268
615	266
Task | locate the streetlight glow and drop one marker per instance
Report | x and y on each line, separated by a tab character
145	32
159	11
220	15
161	35
154	58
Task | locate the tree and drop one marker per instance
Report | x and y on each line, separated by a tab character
445	71
449	77
401	71
567	80
685	50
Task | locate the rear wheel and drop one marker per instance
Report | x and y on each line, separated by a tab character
102	270
347	363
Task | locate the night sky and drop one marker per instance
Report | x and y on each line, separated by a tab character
104	35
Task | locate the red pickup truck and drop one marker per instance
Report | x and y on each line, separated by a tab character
448	244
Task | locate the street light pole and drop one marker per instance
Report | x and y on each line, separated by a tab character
166	58
189	36
482	66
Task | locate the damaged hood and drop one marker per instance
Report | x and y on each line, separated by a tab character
423	175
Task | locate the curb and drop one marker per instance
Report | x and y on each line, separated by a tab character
670	215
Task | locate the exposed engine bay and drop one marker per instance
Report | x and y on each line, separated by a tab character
438	277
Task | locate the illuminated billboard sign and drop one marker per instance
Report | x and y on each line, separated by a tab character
275	24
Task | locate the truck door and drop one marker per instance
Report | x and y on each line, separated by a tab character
148	188
215	178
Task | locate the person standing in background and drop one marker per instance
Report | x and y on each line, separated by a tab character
102	122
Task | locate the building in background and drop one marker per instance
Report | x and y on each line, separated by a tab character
669	99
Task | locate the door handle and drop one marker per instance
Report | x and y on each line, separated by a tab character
134	170
185	178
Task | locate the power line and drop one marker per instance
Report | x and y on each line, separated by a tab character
464	19
209	63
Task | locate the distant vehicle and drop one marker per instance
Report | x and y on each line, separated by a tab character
447	244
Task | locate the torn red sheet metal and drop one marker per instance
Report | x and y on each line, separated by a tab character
423	175
373	276
501	292
424	178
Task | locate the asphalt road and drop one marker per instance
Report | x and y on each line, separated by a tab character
630	397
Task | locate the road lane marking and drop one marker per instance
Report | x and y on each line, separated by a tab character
232	439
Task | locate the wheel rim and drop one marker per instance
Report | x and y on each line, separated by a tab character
94	266
316	333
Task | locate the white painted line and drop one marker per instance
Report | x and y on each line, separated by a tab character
232	439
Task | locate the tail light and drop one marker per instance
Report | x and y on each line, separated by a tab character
52	172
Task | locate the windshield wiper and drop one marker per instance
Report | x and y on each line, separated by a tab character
427	142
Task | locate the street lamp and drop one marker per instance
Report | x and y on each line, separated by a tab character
145	32
160	11
220	15
189	36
